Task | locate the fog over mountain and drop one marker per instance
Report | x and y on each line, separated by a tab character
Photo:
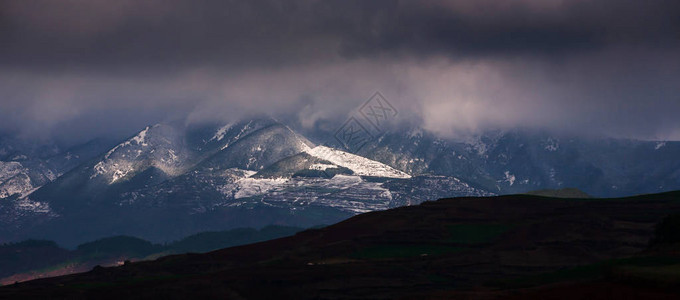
74	70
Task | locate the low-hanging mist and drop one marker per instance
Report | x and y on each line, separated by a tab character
90	68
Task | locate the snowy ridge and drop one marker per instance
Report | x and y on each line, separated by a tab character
221	132
120	169
236	138
359	165
155	148
25	168
139	139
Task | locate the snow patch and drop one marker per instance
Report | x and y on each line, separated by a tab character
359	165
139	139
19	157
29	205
344	181
249	187
14	179
10	169
238	136
322	167
219	135
20	184
118	174
509	178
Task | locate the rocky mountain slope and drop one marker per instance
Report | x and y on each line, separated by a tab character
517	161
172	180
25	166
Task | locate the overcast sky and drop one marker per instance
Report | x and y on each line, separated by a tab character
83	68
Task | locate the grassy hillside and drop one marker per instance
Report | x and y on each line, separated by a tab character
520	246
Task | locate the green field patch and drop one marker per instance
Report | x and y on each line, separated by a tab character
475	233
404	251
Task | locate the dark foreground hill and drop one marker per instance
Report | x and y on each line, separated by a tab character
33	259
517	246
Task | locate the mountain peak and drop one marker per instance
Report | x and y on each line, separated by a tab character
159	146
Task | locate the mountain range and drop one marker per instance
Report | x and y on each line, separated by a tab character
172	179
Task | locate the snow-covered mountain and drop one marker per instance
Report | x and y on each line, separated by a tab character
518	161
25	166
208	177
171	180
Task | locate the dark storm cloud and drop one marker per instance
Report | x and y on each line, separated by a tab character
144	34
527	27
546	63
162	33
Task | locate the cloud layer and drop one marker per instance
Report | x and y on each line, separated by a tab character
609	67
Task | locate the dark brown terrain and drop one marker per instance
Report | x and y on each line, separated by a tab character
517	246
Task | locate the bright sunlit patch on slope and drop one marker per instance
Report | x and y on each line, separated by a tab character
322	167
359	165
343	181
249	187
139	139
9	169
119	170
